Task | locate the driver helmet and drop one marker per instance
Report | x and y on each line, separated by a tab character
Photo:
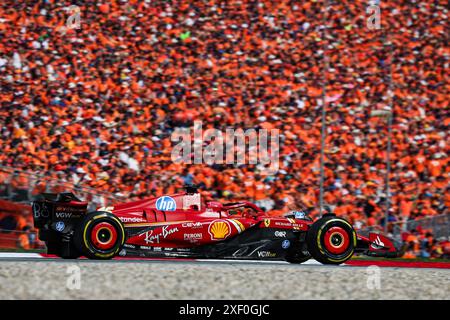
298	214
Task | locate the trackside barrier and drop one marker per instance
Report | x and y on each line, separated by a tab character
439	225
14	239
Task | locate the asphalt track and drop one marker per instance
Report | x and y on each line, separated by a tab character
47	278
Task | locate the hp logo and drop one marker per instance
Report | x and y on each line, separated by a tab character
166	203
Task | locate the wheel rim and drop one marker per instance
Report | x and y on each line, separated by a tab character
103	236
336	240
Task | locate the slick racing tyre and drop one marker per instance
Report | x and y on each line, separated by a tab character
331	240
100	235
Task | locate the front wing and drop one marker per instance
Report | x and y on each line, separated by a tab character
378	245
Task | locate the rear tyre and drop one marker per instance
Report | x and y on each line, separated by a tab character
100	235
331	240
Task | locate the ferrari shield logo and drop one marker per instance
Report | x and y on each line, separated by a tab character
267	222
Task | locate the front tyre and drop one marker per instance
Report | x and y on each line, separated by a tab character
331	240
100	235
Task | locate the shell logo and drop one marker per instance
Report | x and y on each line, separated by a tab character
219	229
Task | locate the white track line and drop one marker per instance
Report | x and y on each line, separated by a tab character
32	255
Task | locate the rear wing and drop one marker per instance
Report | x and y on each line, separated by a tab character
57	211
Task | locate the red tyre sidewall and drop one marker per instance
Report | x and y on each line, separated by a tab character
104	226
342	234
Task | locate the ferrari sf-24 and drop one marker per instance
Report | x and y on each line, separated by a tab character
184	226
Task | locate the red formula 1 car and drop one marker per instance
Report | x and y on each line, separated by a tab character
182	225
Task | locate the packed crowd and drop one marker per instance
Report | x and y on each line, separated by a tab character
96	105
421	243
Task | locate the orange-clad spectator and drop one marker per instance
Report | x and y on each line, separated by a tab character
260	190
24	241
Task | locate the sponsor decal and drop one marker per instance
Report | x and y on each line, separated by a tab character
191	200
240	252
283	224
183	249
168	249
171	254
70	209
280	234
59	226
166	203
285	244
63	215
267	222
106	209
155	238
155	248
123	253
40	210
377	244
266	254
193	236
131	219
147	248
291	224
219	229
130	246
62	212
192	225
